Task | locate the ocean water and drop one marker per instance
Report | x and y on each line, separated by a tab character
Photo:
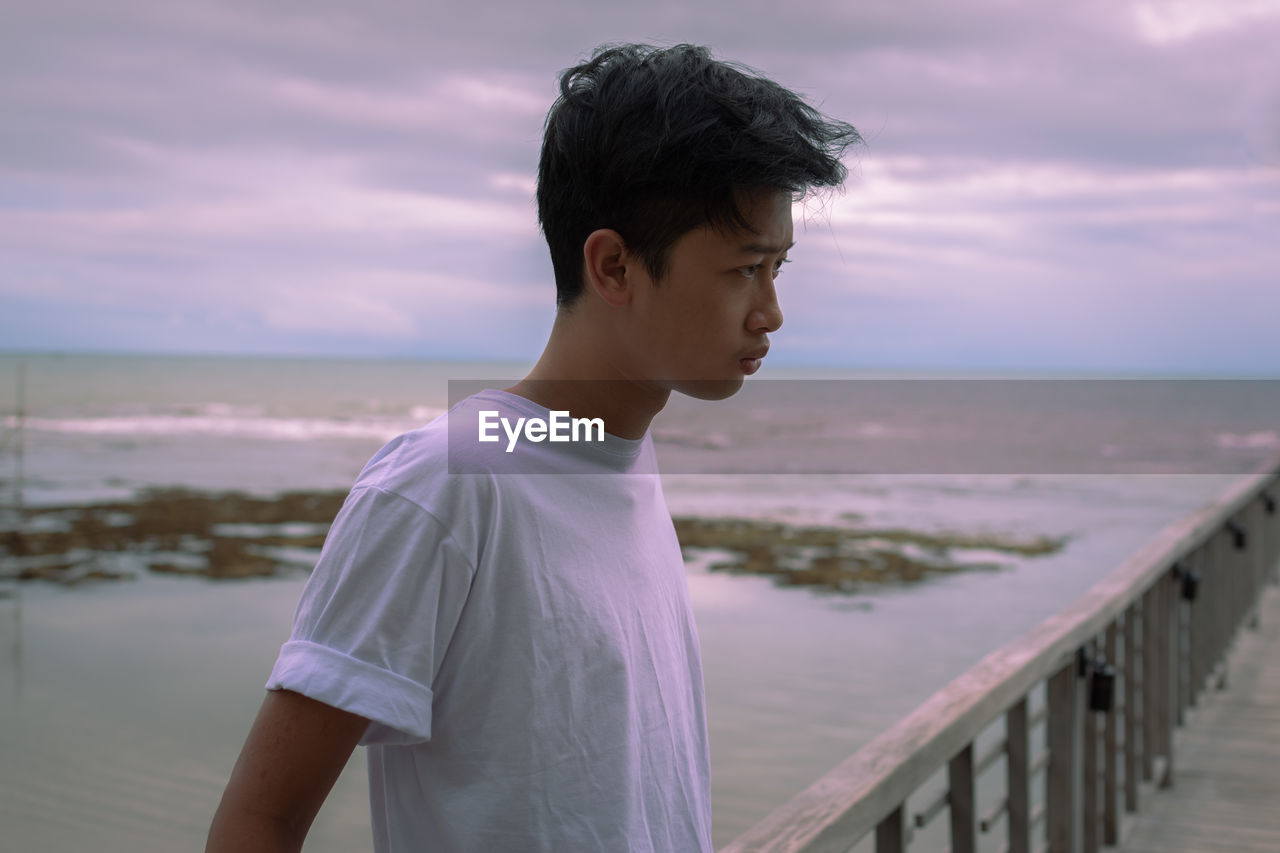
124	705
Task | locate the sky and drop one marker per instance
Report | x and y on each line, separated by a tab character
1089	186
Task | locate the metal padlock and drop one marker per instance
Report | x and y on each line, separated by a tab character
1190	585
1239	536
1102	686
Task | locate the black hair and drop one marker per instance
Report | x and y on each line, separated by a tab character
655	142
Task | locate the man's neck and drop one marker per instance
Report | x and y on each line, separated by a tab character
576	374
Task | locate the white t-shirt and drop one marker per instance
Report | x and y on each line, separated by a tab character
522	643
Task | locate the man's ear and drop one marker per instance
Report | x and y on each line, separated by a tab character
604	256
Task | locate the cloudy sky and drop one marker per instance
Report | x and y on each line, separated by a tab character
1091	185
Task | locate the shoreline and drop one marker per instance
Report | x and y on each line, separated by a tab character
236	536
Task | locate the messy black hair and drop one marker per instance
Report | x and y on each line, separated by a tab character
655	142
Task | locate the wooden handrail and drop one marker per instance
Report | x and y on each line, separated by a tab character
868	791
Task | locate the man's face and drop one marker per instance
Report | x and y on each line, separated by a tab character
704	325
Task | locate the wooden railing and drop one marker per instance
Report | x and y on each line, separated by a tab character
1153	635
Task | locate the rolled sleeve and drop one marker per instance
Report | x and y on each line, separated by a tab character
398	708
376	616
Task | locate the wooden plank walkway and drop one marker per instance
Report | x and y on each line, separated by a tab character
1226	793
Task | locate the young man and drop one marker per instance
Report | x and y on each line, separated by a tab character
505	623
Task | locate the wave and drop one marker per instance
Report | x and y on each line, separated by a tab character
687	438
232	425
759	431
1251	440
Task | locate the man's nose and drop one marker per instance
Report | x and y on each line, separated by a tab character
767	315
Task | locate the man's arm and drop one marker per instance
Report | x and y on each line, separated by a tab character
293	755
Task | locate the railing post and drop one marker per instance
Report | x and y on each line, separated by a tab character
1169	696
1181	649
1018	777
1213	575
1089	771
891	833
962	801
1273	533
1244	594
1240	588
1132	746
1064	762
1110	757
1272	538
1222	605
1150	685
1196	562
1255	520
1267	522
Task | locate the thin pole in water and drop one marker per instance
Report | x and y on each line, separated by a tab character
22	418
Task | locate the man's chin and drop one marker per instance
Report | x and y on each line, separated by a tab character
708	389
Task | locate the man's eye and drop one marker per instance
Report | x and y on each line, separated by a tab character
750	272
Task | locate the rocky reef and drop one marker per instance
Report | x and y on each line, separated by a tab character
231	535
226	535
846	559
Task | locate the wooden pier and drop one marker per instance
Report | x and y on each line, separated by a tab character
1144	717
1226	796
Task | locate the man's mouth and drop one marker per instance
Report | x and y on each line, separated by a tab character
750	363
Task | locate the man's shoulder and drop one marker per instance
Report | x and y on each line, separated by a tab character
417	467
444	469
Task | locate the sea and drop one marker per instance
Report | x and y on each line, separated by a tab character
123	704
